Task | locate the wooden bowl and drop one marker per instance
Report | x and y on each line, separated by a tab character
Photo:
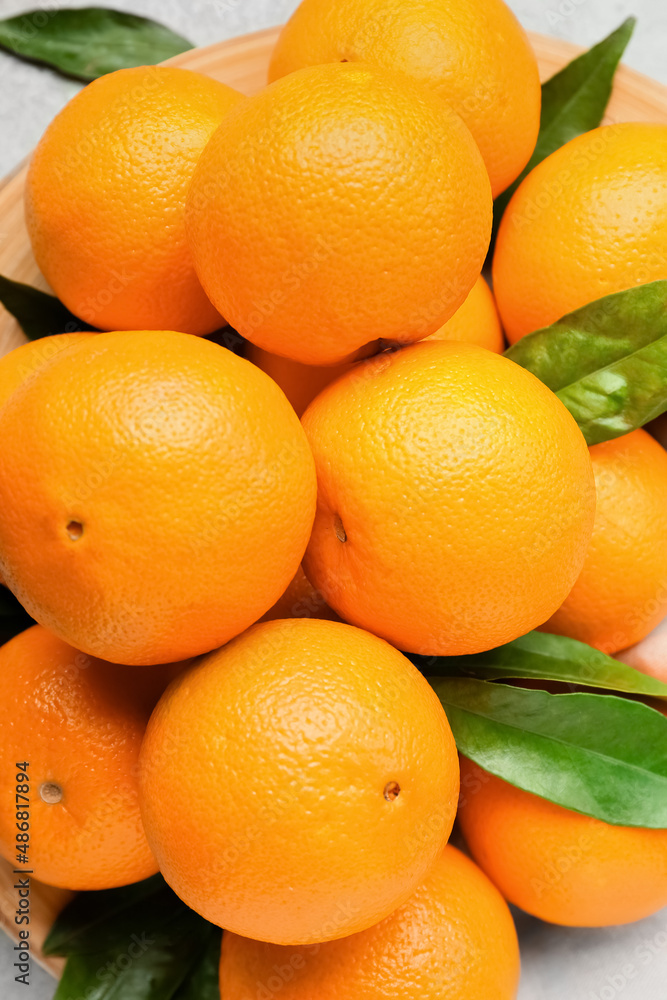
241	63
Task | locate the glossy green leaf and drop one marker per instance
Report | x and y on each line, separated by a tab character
599	755
151	963
203	983
87	921
622	397
607	361
573	101
542	656
595	336
90	42
37	313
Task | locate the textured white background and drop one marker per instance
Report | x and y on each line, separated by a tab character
558	964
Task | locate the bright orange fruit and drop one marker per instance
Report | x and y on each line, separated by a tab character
79	723
299	783
475	322
28	359
587	221
340	206
455	932
300	600
456	498
473	53
300	383
559	865
621	593
157	495
105	198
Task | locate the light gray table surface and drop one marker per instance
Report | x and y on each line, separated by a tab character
625	963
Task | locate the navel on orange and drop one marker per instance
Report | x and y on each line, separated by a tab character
455	498
298	784
157	495
77	722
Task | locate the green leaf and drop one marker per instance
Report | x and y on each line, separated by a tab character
621	397
573	101
607	361
37	313
595	336
541	656
152	962
90	42
203	983
13	617
133	943
84	925
599	755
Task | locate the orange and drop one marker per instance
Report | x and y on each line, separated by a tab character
298	784
300	600
454	938
28	359
340	206
456	498
300	383
78	722
587	221
621	593
105	198
473	53
475	322
157	495
559	865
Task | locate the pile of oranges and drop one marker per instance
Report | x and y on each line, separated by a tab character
228	556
